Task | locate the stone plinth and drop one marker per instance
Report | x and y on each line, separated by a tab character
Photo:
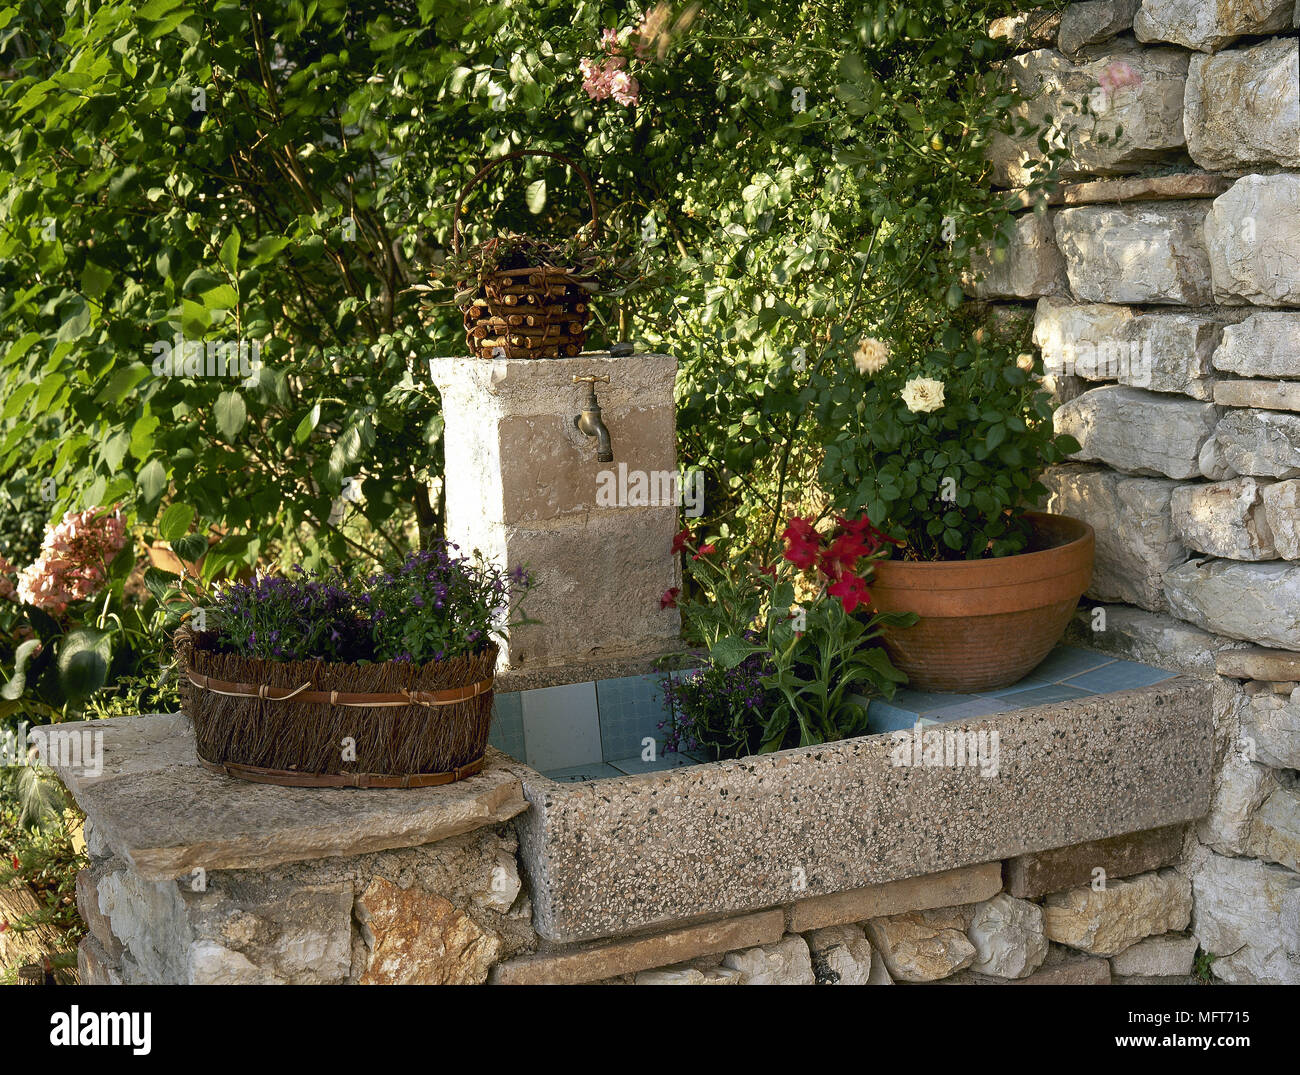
524	487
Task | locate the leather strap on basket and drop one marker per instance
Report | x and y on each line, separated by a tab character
352	699
478	178
293	778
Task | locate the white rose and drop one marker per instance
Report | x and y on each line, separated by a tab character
872	355
923	394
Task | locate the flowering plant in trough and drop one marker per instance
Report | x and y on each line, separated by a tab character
796	629
433	605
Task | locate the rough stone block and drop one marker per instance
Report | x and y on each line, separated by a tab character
1252	233
591	963
1027	29
1257	662
841	955
1208	27
968	884
1165	956
1267	395
1270	725
689	976
1139	432
787	962
97	922
1243	107
1247	915
1028	267
1265	344
1109	920
1008	937
922	946
1254	602
1224	519
1094	21
1161	351
1149	638
94	967
1241	787
1143	252
1135	539
1275	830
1032	876
1265	444
1150	114
1282	514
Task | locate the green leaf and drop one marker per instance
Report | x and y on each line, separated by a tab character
730	651
229	255
161	584
23	657
175	522
307	425
83	660
152	480
231	414
190	548
535	196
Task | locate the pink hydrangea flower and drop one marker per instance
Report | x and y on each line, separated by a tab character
73	561
7	571
608	78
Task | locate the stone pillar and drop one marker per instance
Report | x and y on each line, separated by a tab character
524	487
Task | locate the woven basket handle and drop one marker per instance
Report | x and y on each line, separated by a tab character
482	172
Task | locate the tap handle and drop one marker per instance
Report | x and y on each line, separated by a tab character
590	379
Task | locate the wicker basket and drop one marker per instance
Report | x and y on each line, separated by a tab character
538	312
288	722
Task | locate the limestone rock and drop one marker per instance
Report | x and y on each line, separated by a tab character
1107	921
1027	29
1164	956
689	976
1213	463
1118	426
1263	443
1209	26
1008	937
503	885
922	946
1150	638
419	938
788	962
1135	539
1224	519
1252	233
1094	21
879	972
841	955
1149	115
1247	914
1241	787
1265	344
1243	107
1270	726
1267	395
1256	602
1143	252
1028	267
1161	351
1275	830
1256	662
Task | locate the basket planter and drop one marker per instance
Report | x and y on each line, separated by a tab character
535	312
286	722
985	624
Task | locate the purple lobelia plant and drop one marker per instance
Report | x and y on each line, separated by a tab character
297	617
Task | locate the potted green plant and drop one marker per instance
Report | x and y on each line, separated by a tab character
326	680
946	447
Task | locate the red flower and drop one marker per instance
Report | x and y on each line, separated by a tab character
4	924
803	543
865	532
669	598
841	558
851	590
769	571
15	861
704	551
681	540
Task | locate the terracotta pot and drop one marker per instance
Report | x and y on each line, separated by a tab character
986	624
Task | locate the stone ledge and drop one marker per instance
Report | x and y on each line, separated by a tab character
156	807
1258	662
619	856
596	962
968	884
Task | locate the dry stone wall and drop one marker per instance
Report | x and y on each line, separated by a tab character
1165	282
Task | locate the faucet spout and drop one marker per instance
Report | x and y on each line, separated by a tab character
590	422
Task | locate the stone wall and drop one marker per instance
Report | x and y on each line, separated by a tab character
1163	282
